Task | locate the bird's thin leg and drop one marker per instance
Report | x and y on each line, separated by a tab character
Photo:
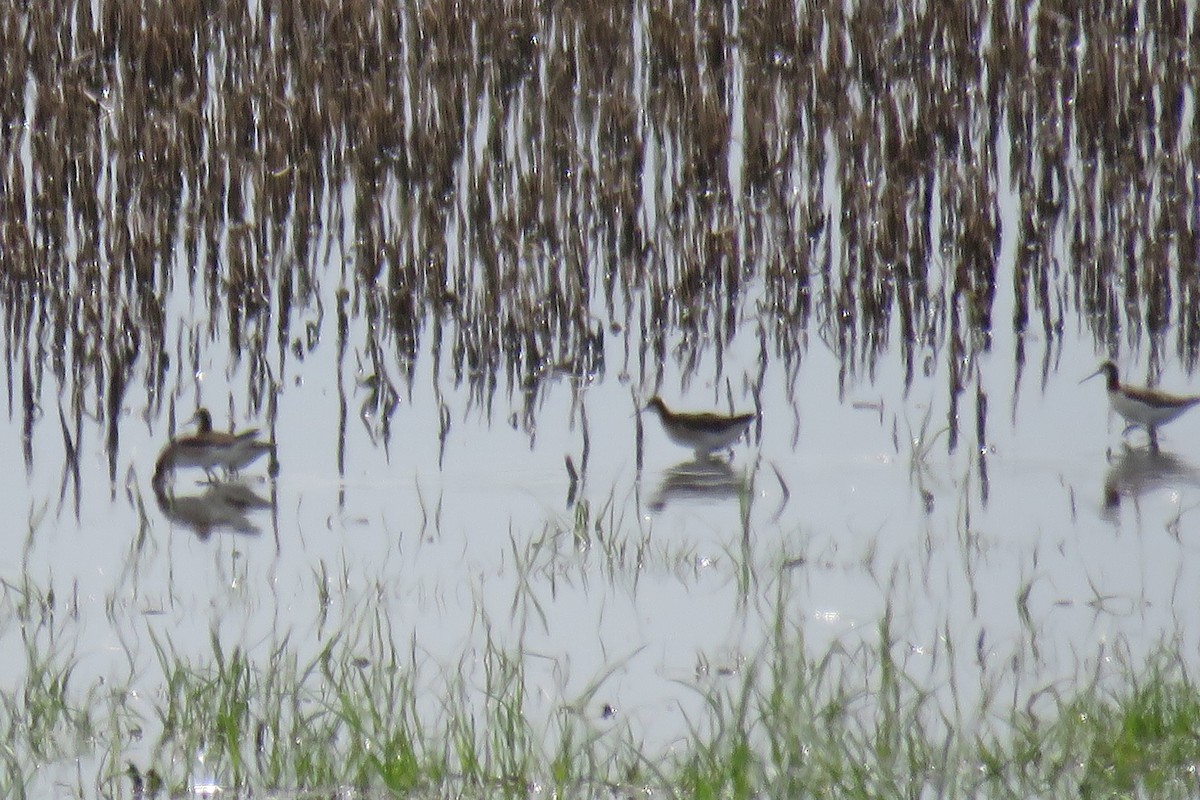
1153	438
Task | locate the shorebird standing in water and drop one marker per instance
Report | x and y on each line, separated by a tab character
704	432
1142	407
209	449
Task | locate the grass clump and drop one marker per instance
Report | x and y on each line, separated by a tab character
362	714
1145	742
853	723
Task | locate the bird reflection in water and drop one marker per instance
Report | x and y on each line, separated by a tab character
1134	471
218	505
702	478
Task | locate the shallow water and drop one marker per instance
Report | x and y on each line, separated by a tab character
431	343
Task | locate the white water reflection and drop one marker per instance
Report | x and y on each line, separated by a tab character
1028	549
841	518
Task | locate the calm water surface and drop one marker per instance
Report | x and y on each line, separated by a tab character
854	501
978	494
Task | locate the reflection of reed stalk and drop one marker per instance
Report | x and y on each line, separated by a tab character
522	207
921	447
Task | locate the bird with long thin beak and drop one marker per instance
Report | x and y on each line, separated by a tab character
1142	407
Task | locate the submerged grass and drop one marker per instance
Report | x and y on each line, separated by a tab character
363	716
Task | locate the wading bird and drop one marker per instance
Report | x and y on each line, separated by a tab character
704	432
1142	407
209	449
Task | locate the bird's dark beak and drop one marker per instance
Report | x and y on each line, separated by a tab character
1094	374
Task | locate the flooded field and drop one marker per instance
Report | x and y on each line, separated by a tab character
442	256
